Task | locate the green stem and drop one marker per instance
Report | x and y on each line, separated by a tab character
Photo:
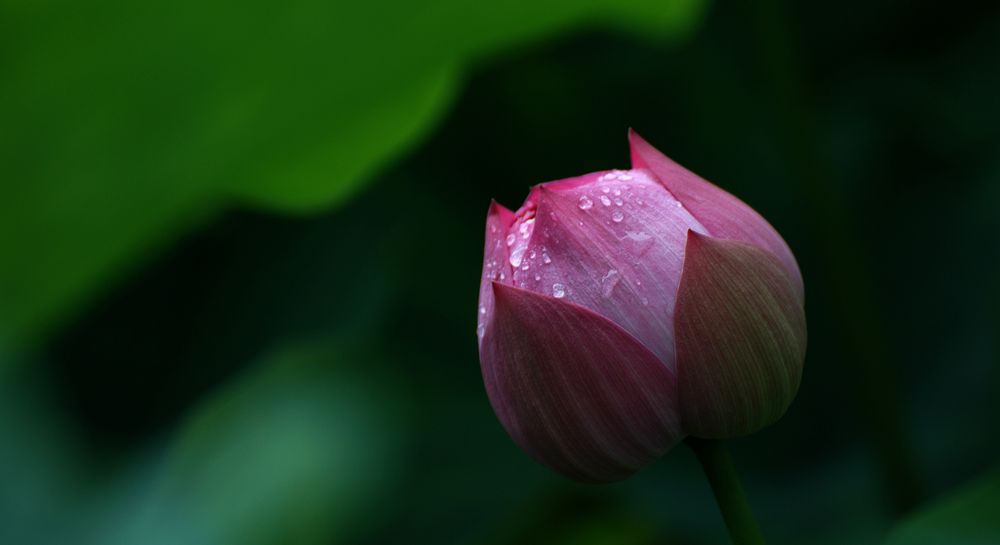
725	483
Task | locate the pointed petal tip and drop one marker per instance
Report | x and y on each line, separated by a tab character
497	208
506	293
694	237
497	293
639	149
501	213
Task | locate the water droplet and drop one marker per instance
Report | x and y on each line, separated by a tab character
482	309
503	276
538	277
558	290
618	192
619	201
546	259
517	254
527	227
585	203
642	240
609	281
680	204
525	267
639	202
617	216
520	244
493	228
605	200
605	189
481	330
645	301
532	254
625	177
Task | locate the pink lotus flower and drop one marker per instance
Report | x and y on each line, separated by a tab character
620	311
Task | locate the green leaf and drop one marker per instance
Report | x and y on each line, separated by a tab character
970	516
123	126
299	450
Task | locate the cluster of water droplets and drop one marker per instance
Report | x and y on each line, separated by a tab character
616	196
610	200
527	260
614	193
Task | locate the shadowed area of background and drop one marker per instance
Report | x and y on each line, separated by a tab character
240	248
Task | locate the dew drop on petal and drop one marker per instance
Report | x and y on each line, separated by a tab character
538	277
585	203
520	244
609	281
482	309
480	330
605	189
617	216
558	290
546	259
619	201
618	192
527	227
605	200
641	240
517	255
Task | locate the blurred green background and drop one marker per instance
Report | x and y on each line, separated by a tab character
240	247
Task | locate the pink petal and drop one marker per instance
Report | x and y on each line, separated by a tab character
741	338
495	263
574	390
612	242
722	214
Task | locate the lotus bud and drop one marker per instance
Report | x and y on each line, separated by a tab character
623	310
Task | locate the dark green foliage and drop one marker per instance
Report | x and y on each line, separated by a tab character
269	376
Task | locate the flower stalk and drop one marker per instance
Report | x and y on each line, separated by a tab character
729	495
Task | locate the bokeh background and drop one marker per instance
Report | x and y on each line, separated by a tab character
240	247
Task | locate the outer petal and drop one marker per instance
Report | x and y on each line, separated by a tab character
741	338
574	390
495	264
721	213
612	242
